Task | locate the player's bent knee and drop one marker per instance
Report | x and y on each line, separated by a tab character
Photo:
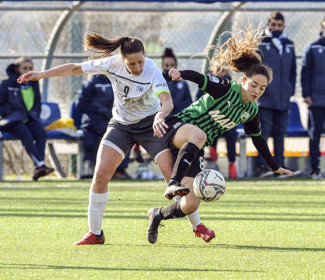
199	137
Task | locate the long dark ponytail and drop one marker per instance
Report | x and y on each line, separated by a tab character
100	46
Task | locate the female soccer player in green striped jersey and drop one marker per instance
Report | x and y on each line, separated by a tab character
225	105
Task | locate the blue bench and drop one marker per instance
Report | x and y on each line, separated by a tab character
294	126
50	112
294	129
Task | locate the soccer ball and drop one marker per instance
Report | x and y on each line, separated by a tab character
209	185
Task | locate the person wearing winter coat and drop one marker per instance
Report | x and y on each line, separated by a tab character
20	108
313	91
278	53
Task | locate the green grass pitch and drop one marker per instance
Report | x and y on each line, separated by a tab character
264	230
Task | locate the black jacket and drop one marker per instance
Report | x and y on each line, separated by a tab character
313	72
95	101
278	92
180	93
12	106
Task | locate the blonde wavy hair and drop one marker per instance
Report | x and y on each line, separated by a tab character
240	53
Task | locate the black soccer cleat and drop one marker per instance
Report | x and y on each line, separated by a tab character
176	189
42	171
154	222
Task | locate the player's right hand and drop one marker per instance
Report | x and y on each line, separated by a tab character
175	74
29	76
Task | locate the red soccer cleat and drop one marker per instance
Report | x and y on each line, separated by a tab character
202	231
232	171
213	155
91	239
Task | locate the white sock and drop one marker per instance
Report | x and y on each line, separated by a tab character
96	209
193	218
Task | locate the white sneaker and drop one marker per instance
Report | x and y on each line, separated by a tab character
267	174
316	176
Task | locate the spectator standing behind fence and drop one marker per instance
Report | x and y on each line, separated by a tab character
20	108
278	53
313	91
230	135
95	101
178	89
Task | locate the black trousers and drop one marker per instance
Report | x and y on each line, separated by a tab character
33	137
316	118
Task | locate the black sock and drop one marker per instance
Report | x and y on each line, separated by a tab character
183	162
172	211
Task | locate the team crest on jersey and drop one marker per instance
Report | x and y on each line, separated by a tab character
245	116
140	89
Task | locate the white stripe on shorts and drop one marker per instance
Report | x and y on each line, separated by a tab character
112	145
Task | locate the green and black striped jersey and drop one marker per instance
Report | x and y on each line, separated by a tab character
221	109
217	114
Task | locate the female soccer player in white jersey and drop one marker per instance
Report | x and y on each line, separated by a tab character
225	105
141	103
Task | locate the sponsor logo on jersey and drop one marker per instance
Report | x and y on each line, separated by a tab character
160	85
245	116
222	120
177	125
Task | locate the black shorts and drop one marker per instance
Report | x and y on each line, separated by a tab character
197	164
122	137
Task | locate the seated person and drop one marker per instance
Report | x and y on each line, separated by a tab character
20	108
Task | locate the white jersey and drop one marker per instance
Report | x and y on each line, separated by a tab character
135	97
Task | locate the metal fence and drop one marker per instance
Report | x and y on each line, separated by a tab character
51	32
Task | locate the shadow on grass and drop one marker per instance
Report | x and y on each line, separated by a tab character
49	213
144	217
42	266
62	200
227	246
273	248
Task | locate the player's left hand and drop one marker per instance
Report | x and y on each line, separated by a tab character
284	171
159	125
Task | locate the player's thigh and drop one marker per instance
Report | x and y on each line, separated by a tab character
186	133
119	138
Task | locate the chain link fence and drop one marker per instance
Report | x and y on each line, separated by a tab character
33	28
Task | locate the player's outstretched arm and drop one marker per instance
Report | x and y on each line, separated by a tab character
69	69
